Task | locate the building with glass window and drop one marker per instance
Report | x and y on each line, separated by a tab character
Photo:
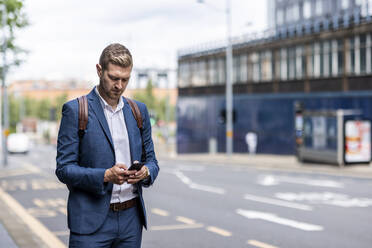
317	52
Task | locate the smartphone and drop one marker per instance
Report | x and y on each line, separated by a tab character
136	166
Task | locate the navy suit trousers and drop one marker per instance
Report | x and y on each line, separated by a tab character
121	229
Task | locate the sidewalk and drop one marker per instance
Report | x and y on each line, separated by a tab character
269	161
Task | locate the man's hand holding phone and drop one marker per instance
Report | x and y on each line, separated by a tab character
141	172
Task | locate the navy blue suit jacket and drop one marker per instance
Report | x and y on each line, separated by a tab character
81	162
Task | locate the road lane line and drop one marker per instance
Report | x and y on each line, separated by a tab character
219	231
207	188
159	212
185	220
192	185
278	202
282	221
271	180
175	227
35	226
260	244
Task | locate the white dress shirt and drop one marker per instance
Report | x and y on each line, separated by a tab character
119	134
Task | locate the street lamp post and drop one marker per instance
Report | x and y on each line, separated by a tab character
4	90
229	79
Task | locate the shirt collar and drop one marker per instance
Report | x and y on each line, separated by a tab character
106	105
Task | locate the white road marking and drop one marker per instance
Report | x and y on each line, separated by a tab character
185	220
219	231
35	184
42	212
278	202
175	227
260	244
159	212
271	180
192	185
329	198
49	239
282	221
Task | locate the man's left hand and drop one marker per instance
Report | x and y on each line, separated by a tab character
143	173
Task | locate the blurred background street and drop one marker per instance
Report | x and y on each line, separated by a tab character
204	204
260	112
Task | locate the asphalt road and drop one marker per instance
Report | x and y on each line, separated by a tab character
204	205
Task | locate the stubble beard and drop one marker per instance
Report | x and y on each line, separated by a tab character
106	92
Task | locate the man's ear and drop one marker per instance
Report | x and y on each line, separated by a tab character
99	70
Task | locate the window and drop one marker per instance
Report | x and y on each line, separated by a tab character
318	7
289	14
243	68
184	75
363	52
307	9
345	4
299	62
221	68
266	66
352	55
316	60
283	64
291	62
296	12
340	56
236	69
327	62
256	67
369	54
212	71
279	17
334	67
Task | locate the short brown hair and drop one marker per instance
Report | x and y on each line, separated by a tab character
116	54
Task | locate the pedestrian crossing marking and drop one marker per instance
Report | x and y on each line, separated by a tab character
185	220
260	244
219	231
35	184
159	212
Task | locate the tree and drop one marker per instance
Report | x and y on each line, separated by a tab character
15	19
154	105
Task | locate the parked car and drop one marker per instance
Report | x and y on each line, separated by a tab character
18	143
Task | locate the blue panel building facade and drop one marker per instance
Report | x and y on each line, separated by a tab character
318	52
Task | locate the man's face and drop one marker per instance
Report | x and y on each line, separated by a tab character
113	81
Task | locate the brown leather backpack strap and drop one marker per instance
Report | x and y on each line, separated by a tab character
83	113
136	112
137	115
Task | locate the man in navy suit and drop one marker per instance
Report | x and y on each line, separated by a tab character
105	204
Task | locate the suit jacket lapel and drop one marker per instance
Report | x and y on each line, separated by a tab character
131	124
95	105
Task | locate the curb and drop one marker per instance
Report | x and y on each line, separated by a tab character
270	162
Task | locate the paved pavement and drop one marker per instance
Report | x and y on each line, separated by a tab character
14	232
273	162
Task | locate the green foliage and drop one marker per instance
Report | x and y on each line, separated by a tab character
40	109
155	106
60	100
15	19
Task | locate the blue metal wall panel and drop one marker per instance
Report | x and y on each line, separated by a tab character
271	116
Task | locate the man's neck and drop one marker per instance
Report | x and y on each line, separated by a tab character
109	101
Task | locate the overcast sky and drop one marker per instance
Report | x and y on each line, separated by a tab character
66	37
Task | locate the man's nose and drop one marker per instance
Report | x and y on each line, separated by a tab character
119	85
